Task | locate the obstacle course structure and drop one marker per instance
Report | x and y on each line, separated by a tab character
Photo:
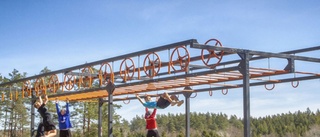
185	67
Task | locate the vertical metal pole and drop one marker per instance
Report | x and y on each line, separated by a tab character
187	95
32	113
244	69
100	118
187	118
110	88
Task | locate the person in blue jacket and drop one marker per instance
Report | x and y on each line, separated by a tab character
64	120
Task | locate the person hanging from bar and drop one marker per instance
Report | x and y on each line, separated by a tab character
163	102
151	123
64	120
49	127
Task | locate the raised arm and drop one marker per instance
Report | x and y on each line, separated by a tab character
139	98
57	107
45	101
153	113
67	106
40	100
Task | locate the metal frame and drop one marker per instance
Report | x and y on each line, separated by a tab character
202	75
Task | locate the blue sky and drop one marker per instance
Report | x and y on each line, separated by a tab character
61	34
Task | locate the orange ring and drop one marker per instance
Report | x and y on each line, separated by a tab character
180	59
69	81
39	86
212	54
194	95
86	81
265	86
54	83
27	86
103	73
152	65
125	74
224	93
295	86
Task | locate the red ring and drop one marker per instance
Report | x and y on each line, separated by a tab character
124	74
180	59
155	69
212	54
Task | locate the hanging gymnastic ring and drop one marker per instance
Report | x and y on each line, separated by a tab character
224	91
295	86
153	64
126	102
212	54
195	95
210	92
185	59
273	85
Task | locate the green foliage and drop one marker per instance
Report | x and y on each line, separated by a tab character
216	125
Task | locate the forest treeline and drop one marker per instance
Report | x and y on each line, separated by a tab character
15	119
295	124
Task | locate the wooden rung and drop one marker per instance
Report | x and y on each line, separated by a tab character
268	73
300	72
225	85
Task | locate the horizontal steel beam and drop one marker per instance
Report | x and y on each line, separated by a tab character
66	70
259	53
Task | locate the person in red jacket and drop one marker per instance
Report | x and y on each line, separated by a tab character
151	123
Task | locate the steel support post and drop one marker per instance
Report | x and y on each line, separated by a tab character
244	70
187	95
187	117
110	88
33	98
100	117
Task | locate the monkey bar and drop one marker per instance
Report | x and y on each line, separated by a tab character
184	67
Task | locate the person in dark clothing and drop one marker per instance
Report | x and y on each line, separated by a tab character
49	127
64	120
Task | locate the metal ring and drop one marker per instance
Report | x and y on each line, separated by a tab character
224	91
273	85
295	86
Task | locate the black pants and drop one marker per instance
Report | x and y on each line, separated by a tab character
153	133
65	133
40	130
162	103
